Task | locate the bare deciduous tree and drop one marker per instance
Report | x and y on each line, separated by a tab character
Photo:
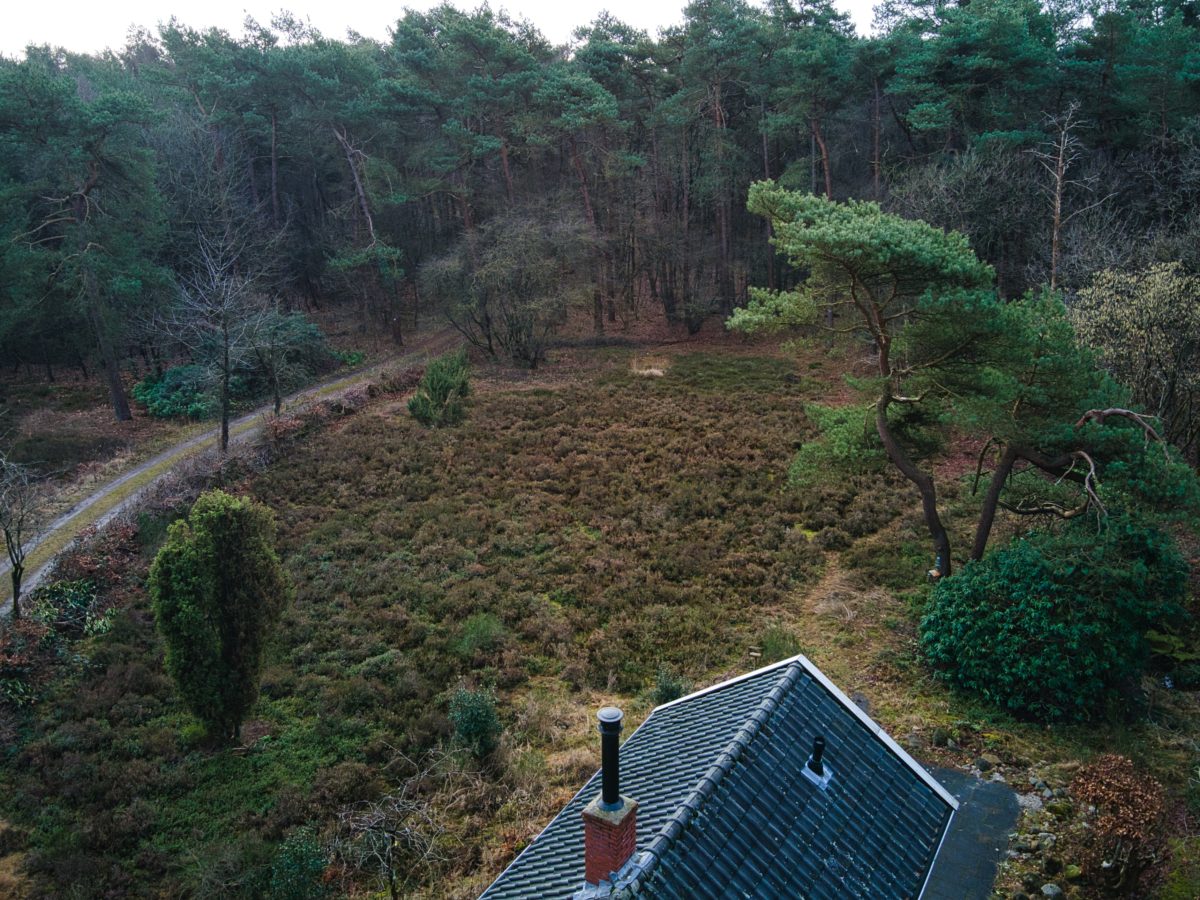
21	520
221	305
396	836
1059	156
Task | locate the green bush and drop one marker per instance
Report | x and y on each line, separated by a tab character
778	643
181	391
476	725
668	686
1054	626
439	397
218	588
297	868
67	607
481	633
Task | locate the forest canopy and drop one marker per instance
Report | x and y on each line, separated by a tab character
1059	142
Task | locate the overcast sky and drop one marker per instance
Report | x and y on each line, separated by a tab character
90	26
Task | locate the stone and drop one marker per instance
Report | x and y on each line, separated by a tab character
1051	890
1030	882
1029	802
941	737
1060	808
1052	865
991	759
1048	794
982	764
1073	872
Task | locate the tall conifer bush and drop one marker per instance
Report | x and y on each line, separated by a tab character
218	588
440	395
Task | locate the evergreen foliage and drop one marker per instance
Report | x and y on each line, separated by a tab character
1054	626
179	392
297	868
438	401
218	588
476	725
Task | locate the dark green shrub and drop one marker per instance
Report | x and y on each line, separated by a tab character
668	686
476	725
68	607
439	398
181	391
218	588
1054	626
297	868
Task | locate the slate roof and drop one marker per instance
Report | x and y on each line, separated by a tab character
725	811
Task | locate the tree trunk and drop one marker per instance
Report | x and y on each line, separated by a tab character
876	129
820	139
923	482
16	557
1056	230
274	173
225	390
359	191
112	372
987	515
508	182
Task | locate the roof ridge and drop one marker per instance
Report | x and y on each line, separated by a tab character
687	810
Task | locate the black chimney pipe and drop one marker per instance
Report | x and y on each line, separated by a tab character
818	751
610	772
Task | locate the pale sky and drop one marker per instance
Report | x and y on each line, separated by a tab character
92	25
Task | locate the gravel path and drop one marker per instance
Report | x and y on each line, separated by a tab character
121	493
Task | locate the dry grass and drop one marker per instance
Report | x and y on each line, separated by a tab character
655	366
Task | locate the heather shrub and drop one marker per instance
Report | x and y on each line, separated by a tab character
440	394
1053	626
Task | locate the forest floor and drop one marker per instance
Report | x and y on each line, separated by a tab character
595	531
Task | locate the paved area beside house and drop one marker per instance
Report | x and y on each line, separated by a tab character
978	838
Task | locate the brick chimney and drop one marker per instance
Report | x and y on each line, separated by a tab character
610	820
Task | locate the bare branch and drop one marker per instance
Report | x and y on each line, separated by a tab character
1140	419
1045	508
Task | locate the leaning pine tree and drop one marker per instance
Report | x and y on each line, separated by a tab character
947	349
218	588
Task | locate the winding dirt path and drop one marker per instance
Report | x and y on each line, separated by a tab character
117	495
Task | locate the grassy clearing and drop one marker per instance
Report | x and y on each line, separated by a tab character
578	536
